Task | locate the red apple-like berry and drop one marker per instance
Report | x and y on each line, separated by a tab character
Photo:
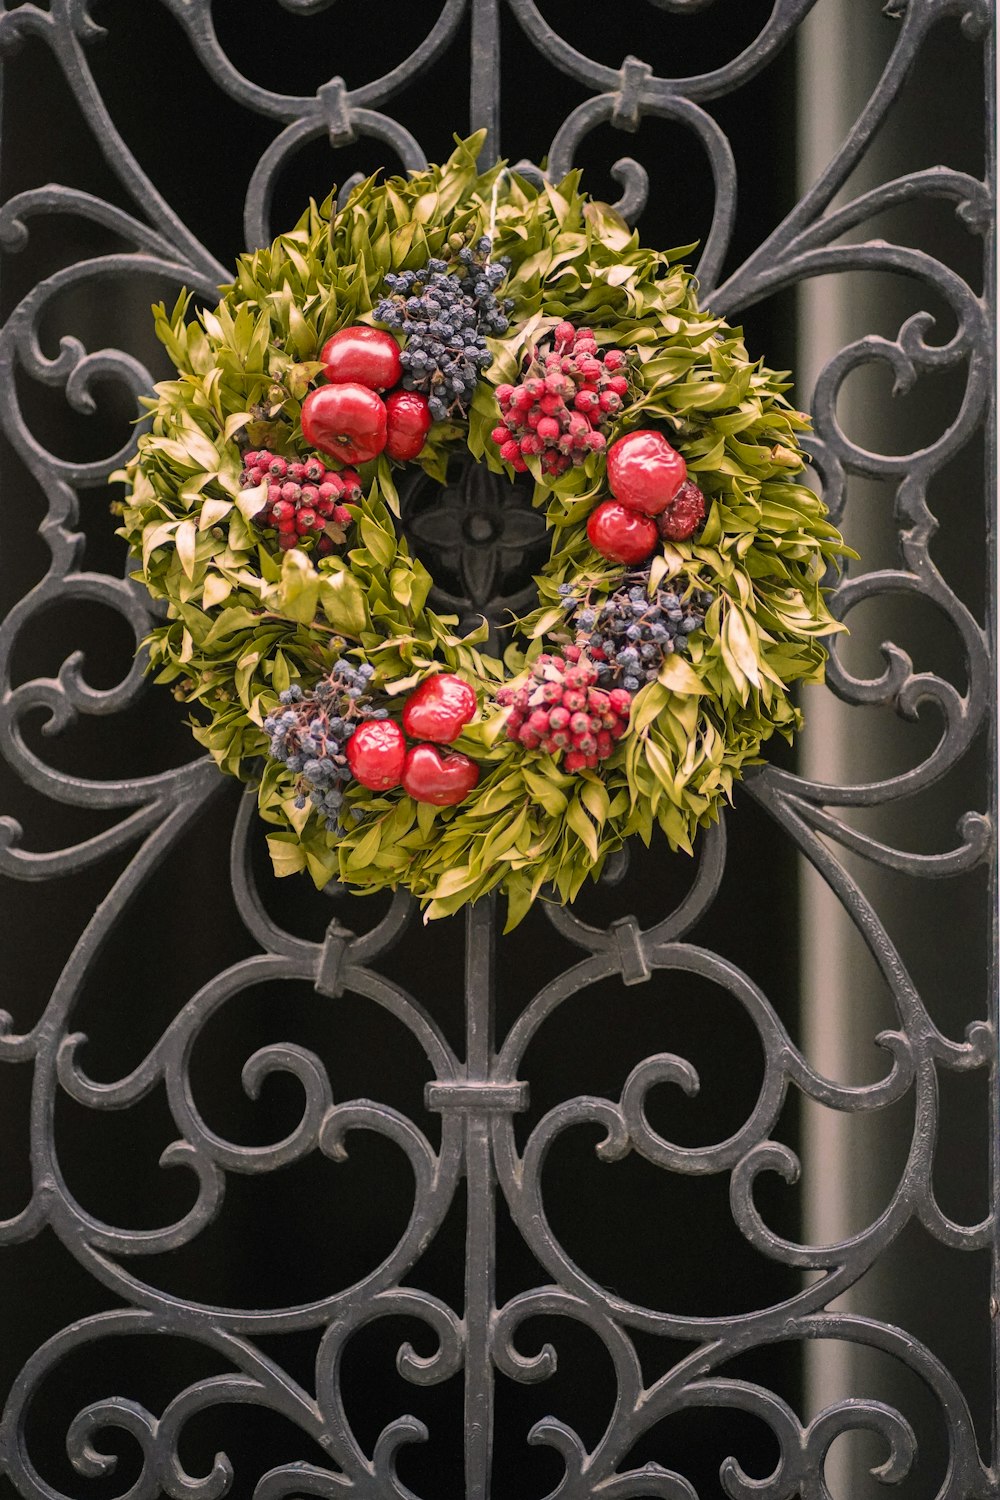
439	709
620	534
367	356
443	779
346	421
408	421
683	515
644	472
376	752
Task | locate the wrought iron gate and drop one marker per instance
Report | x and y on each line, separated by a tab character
480	1141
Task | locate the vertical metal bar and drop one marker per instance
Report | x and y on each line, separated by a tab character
484	98
992	627
480	1236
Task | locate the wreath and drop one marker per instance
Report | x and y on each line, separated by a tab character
682	599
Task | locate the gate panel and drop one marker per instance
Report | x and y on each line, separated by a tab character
391	1263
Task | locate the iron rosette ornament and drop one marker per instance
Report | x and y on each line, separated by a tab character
681	601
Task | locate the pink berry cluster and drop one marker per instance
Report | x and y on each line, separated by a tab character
561	711
568	395
303	499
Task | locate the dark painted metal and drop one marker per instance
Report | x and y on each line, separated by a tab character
478	1098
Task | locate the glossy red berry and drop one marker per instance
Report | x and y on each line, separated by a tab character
441	779
346	421
408	421
367	356
376	753
620	534
439	709
644	471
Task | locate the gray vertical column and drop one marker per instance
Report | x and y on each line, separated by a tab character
480	1244
484	98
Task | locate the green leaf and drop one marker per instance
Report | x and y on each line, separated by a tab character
342	601
297	595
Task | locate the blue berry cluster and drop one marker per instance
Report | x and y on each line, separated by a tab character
628	634
447	311
309	735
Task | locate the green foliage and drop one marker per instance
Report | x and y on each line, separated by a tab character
243	625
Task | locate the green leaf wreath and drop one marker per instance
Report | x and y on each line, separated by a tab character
250	627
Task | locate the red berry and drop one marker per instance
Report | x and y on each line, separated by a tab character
509	451
521	398
441	779
331	488
306	520
499	434
539	721
346	421
282	511
376	753
551	404
363	356
287	540
574	761
610	403
564	335
277	468
310	494
605	744
683	515
351	485
644	471
505	394
528	738
439	709
618	384
585	401
548	429
408	421
620	700
614	359
620	534
297	472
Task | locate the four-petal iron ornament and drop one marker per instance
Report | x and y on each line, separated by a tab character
479	534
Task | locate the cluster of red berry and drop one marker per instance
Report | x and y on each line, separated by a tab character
567	395
434	714
303	499
654	499
347	418
561	710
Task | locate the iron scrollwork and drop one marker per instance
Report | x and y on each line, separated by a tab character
479	1096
